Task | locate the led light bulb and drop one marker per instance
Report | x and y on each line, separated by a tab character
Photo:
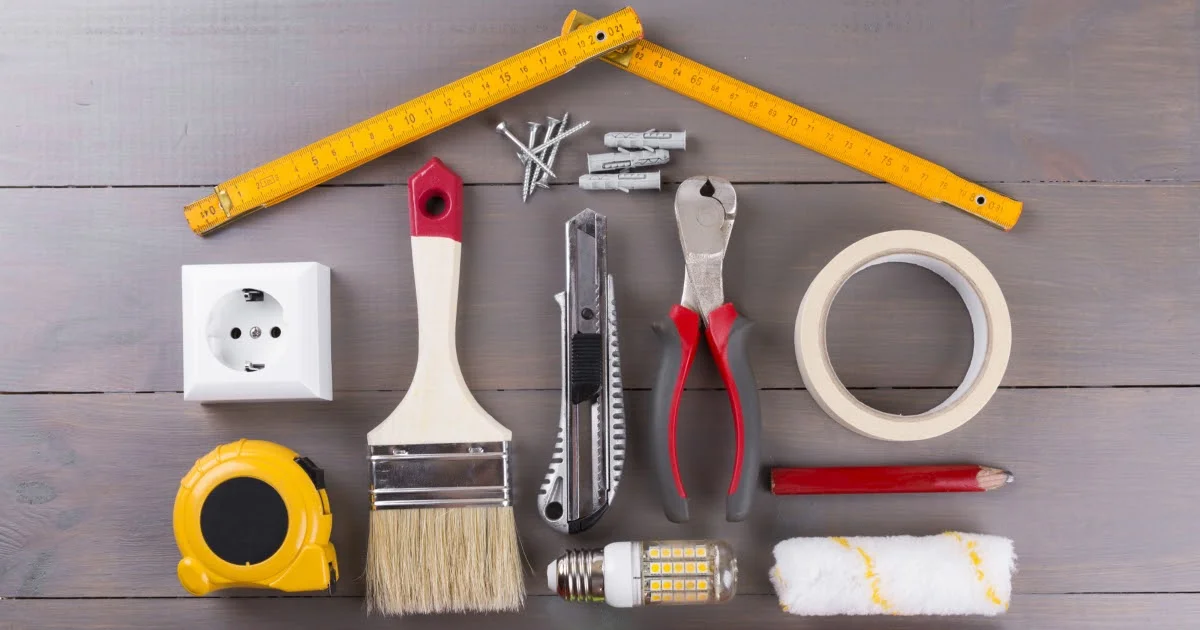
647	573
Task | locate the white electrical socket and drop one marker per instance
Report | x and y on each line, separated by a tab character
256	332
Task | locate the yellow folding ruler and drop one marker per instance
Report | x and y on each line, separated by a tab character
808	129
325	159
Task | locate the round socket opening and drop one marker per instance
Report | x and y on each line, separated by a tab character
232	325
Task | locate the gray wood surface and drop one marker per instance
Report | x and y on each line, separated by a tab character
114	114
1060	612
129	93
1101	282
1077	455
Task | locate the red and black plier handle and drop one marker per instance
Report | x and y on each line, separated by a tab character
727	334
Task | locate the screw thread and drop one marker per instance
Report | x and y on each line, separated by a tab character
527	180
561	136
581	575
554	149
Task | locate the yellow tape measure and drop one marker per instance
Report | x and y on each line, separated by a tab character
807	128
325	159
254	514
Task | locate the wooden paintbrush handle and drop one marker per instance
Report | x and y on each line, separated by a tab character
435	210
438	407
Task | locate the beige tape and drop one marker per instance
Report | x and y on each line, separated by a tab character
989	321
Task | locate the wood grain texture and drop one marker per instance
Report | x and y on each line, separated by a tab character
1061	612
1096	99
88	481
1101	282
132	92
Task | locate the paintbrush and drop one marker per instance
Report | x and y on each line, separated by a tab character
443	537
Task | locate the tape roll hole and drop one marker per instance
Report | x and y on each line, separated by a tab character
924	298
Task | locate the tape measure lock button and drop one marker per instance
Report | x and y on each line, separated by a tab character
254	514
990	323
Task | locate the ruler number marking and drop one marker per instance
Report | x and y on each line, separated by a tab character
825	135
306	166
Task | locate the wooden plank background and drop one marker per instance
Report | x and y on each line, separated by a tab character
114	114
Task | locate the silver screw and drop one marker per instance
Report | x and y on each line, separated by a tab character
526	181
502	128
553	151
556	139
539	178
255	332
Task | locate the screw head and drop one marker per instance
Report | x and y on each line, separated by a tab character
255	332
501	127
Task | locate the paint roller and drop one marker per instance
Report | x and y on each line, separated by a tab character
949	574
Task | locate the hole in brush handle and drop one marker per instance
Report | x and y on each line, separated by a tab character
435	201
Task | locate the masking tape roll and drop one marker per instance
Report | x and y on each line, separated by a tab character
989	321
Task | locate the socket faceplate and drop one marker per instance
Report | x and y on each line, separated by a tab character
256	332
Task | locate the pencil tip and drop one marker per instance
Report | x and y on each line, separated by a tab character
1008	477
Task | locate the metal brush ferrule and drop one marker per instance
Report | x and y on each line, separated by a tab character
589	451
440	475
581	575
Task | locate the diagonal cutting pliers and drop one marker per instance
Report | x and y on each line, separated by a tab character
705	208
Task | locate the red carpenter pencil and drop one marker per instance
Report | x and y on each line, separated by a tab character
887	479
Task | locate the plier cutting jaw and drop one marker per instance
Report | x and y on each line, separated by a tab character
705	208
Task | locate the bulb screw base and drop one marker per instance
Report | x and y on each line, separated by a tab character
579	575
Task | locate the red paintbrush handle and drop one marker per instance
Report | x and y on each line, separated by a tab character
875	480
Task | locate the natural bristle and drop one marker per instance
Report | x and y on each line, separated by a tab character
444	560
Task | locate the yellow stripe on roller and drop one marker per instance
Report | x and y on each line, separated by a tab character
808	129
300	170
971	547
873	579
